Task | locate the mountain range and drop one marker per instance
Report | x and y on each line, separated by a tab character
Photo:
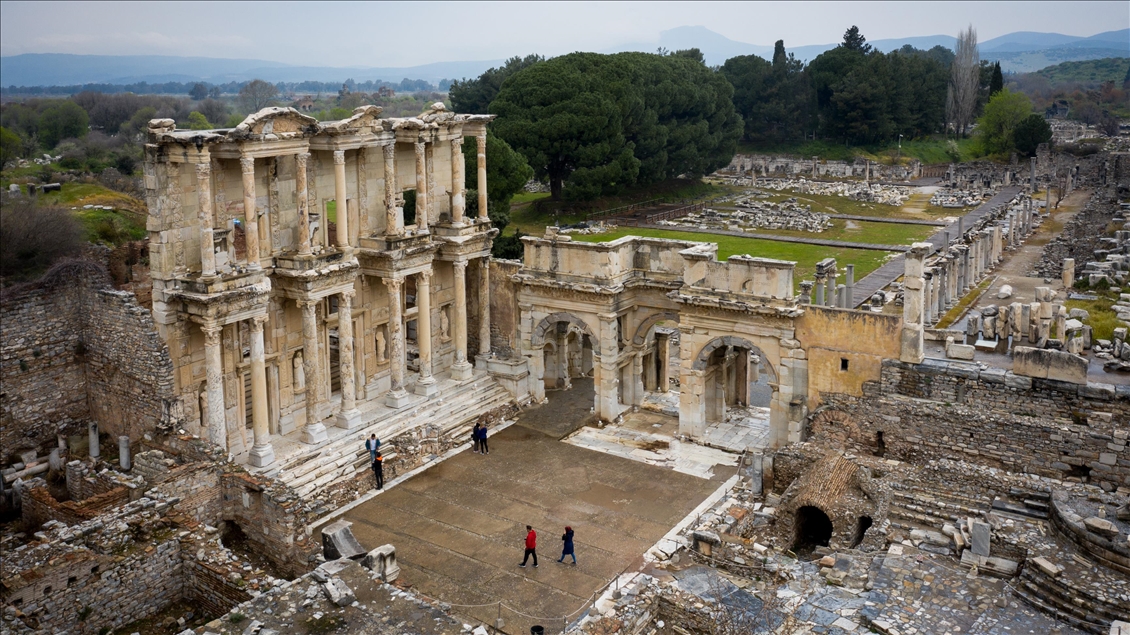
1019	52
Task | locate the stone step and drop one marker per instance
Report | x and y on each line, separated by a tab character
1030	593
951	506
1020	510
1061	592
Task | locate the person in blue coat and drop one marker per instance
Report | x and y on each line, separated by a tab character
567	547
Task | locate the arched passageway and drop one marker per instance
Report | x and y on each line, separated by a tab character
812	528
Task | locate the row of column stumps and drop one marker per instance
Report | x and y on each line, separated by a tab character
828	291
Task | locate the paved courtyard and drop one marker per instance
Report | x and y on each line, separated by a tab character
459	527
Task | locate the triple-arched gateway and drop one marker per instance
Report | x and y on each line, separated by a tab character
614	310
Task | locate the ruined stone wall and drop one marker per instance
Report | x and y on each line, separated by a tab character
271	516
1081	235
41	369
504	312
990	417
74	350
845	348
210	588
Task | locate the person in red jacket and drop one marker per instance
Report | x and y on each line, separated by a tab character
531	546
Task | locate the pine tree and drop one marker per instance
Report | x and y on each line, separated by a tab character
996	84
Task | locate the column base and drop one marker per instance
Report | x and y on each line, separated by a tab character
462	371
261	456
397	398
426	387
314	433
349	419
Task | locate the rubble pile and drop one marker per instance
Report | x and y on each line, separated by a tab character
753	215
948	197
857	191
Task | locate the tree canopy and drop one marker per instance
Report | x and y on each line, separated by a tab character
1030	133
593	123
257	94
1003	114
474	95
507	173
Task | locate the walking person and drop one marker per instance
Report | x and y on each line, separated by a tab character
378	470
483	439
531	546
372	444
567	547
475	437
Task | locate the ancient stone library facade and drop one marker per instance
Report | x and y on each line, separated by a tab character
288	283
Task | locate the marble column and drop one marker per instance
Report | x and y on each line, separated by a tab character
123	453
819	277
214	385
314	431
426	384
457	184
349	417
912	345
340	203
830	291
204	201
927	295
394	217
421	187
250	213
429	161
397	395
484	305
300	193
262	453
95	448
481	143
849	282
461	369
663	350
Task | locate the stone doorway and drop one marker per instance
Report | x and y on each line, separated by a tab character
335	363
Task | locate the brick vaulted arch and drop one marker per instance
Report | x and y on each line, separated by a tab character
650	321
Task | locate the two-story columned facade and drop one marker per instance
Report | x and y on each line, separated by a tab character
288	282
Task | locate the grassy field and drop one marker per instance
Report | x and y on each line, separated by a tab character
1103	320
806	256
125	222
929	150
917	208
1092	72
863	232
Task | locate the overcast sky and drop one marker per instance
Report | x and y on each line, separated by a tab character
413	33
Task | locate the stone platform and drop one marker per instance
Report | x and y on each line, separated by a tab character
459	526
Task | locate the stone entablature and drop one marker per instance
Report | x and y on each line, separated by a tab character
288	283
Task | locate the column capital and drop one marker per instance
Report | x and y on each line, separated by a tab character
257	322
389	149
481	141
212	332
247	164
339	157
457	143
425	276
460	265
203	170
301	158
420	146
307	305
347	296
393	283
484	262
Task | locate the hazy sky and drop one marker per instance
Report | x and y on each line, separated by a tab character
413	33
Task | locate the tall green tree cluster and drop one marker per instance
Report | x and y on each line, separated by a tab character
592	124
773	98
474	95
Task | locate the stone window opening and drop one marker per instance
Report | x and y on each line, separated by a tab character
843	364
332	304
18	602
71	580
94	570
813	529
861	530
1081	472
880	444
46	591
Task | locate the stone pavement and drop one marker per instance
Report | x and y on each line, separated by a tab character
459	526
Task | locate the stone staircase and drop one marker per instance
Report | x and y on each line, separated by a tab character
450	418
1064	598
915	508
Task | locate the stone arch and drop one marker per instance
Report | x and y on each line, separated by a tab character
833	423
650	321
703	359
537	339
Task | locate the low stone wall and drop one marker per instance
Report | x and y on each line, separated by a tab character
938	409
211	589
273	518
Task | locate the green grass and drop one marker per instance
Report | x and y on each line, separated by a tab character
806	256
863	232
929	150
1095	72
1103	320
832	204
959	309
125	222
521	198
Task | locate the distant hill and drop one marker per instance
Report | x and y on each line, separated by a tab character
1019	52
1088	72
54	69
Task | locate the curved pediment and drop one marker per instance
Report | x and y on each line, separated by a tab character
281	122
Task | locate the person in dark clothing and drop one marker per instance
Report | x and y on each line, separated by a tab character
483	439
567	548
531	546
378	470
475	438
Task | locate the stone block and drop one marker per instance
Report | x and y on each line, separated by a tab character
338	592
382	561
338	542
1101	526
1049	364
981	535
960	351
1049	569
